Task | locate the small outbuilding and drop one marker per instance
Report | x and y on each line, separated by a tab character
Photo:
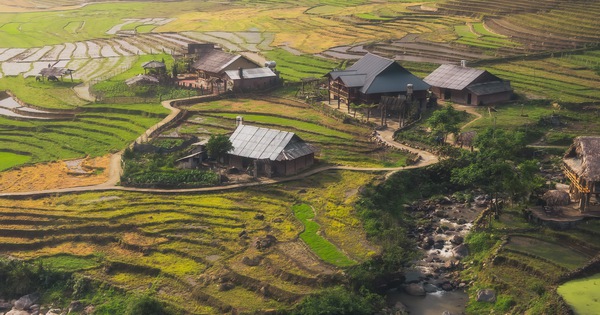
212	63
269	152
468	86
250	79
581	165
155	66
53	73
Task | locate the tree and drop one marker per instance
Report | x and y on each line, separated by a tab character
498	169
445	121
218	145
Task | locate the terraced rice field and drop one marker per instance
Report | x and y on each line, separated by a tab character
189	246
95	131
335	142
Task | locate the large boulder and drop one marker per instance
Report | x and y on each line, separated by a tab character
415	289
486	295
461	251
26	301
17	312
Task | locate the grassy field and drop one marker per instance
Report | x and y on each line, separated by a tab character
582	294
8	160
319	245
326	133
134	240
98	130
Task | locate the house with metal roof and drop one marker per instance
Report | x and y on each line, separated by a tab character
469	86
250	79
269	152
212	63
372	77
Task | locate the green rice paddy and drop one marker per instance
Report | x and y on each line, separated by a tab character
583	295
320	246
8	160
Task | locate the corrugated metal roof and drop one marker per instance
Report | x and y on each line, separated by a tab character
355	80
214	60
453	77
253	73
487	88
378	75
263	143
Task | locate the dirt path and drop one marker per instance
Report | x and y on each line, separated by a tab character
115	169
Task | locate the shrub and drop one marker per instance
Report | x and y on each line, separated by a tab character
339	301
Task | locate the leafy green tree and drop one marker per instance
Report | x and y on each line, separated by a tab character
445	121
498	169
218	146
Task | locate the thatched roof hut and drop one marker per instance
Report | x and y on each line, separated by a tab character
584	157
556	198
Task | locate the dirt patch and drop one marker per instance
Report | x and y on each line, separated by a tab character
56	175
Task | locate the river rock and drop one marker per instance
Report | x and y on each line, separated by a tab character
430	288
26	301
447	313
89	309
75	307
415	289
461	251
54	311
486	295
457	240
5	305
447	286
17	312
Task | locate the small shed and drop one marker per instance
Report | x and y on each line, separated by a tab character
581	165
53	73
250	79
196	156
269	152
154	66
468	86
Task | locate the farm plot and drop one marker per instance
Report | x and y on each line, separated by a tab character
331	139
90	134
582	294
546	78
170	241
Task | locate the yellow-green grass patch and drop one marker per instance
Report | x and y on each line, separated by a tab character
8	160
582	295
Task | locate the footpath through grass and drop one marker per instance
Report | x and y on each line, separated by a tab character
319	245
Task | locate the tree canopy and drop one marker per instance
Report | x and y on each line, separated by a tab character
218	145
445	121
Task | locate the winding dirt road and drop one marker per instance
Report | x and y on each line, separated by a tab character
115	169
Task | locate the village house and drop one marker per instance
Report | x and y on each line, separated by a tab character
468	86
211	63
372	77
269	152
250	79
582	167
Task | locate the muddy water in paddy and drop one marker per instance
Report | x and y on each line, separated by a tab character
440	239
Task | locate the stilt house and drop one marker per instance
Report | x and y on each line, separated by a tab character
372	77
582	167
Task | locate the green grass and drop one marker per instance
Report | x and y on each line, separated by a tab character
68	263
8	160
57	95
101	130
319	245
583	295
554	252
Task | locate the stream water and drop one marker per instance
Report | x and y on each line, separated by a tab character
431	284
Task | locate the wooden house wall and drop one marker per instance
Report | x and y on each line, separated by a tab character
254	83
